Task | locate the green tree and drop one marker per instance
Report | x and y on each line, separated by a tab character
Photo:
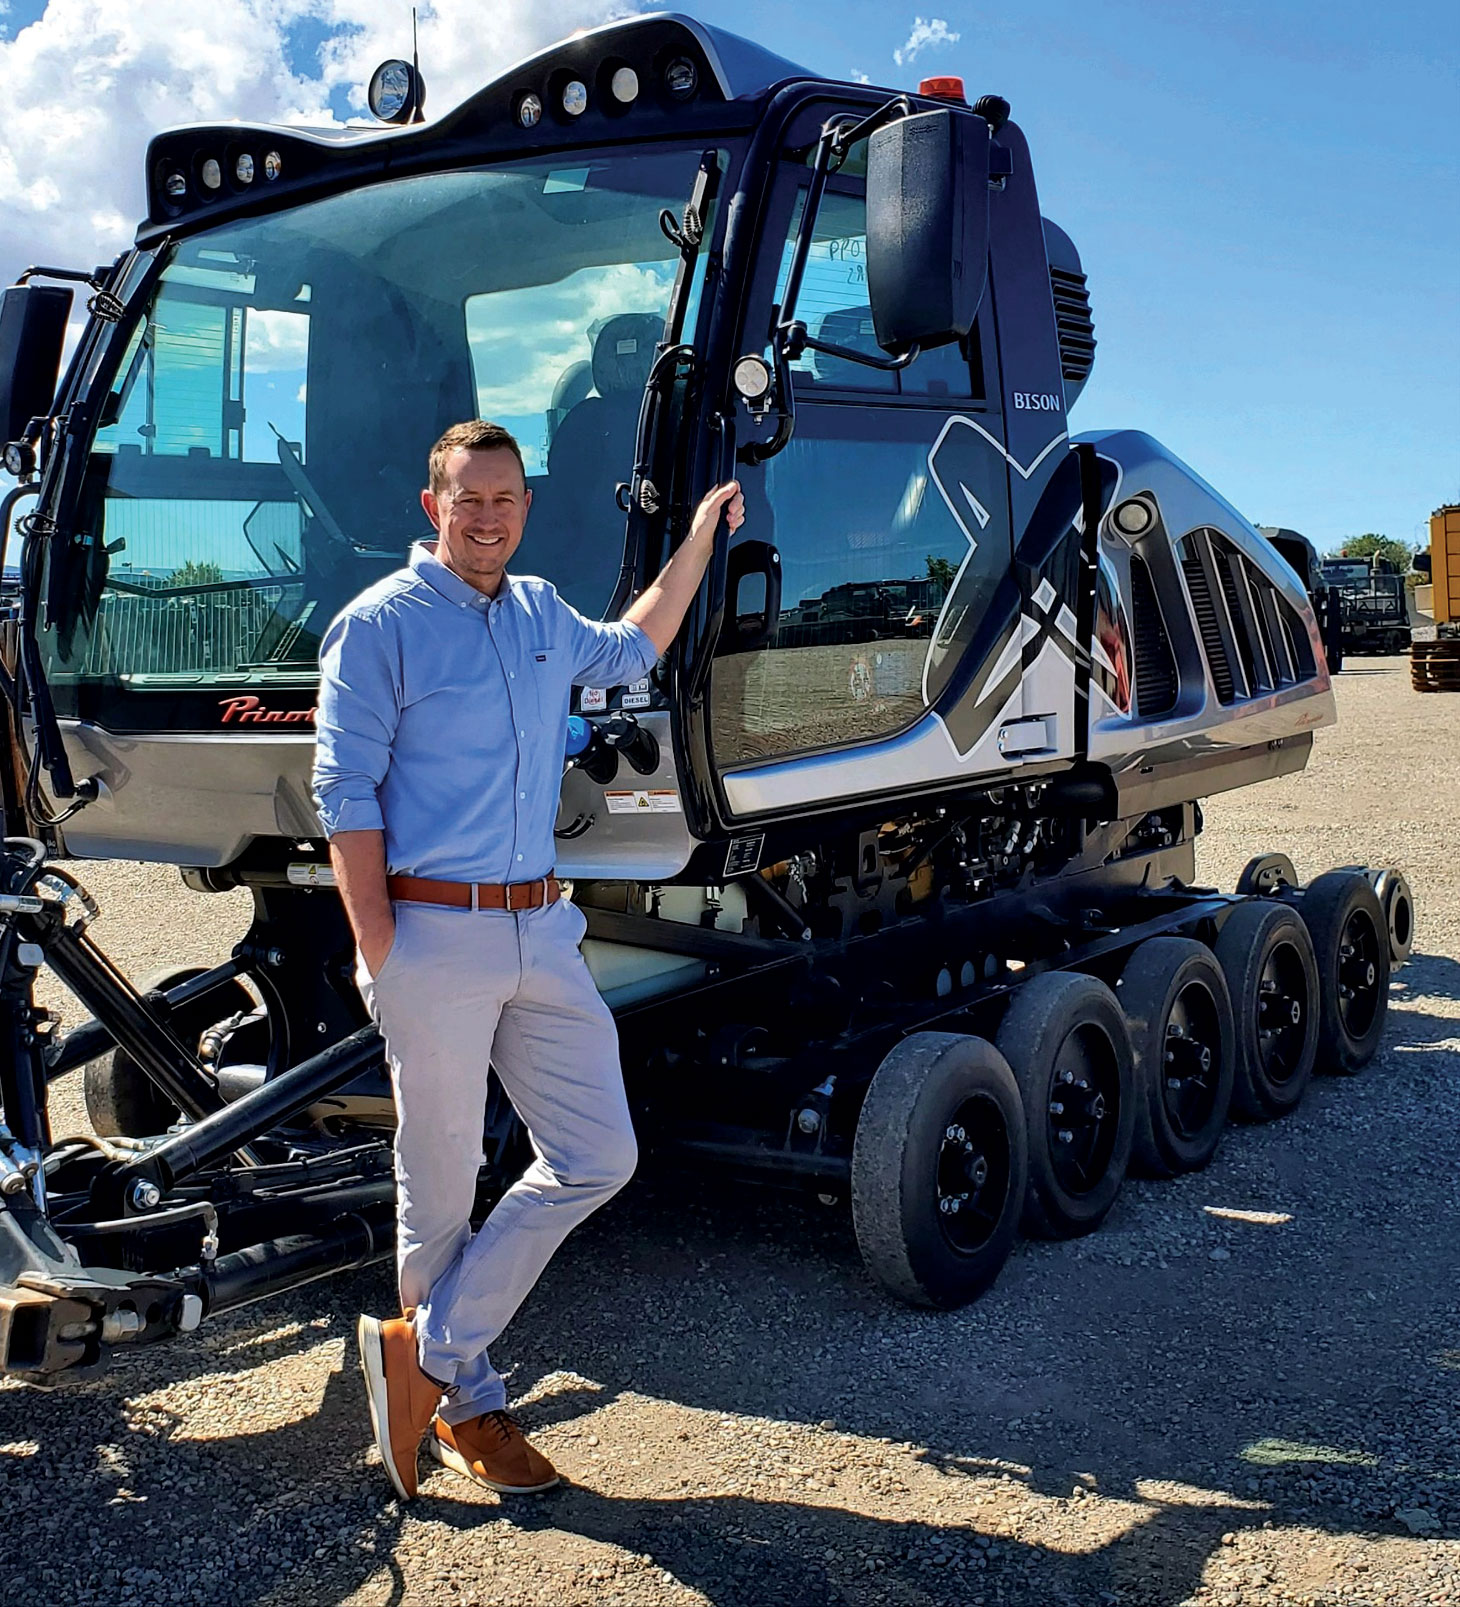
194	573
941	570
1399	553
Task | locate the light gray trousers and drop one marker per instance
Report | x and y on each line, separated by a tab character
459	990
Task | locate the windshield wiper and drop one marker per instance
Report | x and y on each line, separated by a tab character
303	488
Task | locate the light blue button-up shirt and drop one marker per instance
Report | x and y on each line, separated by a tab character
443	715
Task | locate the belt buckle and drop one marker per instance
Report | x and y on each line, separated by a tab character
507	892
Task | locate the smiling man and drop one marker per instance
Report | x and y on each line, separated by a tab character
442	715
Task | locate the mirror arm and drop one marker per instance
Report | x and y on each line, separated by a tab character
795	340
843	135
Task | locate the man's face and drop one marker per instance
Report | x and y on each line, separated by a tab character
479	513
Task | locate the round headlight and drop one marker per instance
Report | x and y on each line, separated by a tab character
176	186
1132	518
681	78
575	97
273	166
529	111
390	90
625	86
212	174
243	169
752	378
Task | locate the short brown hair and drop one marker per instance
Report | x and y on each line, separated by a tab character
475	435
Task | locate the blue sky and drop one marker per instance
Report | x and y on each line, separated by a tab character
1265	196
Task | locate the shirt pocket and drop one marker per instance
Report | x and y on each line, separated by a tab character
548	668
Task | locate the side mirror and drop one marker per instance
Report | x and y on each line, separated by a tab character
32	333
927	227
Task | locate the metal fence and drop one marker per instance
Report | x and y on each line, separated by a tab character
198	633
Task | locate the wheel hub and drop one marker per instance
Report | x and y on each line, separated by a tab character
1083	1105
972	1175
1281	1013
1358	974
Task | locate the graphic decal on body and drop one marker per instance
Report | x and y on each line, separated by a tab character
962	444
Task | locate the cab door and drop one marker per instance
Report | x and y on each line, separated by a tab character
893	660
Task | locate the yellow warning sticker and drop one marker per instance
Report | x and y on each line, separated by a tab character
661	801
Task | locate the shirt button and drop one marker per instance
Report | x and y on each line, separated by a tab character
522	733
511	675
519	858
521	794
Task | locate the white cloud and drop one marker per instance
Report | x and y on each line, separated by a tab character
924	34
859	77
91	81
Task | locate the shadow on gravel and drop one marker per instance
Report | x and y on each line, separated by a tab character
739	1551
1312	1372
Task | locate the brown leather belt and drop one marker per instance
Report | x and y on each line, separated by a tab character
475	895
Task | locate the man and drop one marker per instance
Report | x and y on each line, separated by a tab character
442	717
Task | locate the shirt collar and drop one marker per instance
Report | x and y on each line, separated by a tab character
450	585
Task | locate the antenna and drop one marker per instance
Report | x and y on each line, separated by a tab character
418	114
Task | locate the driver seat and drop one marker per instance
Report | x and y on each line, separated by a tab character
593	447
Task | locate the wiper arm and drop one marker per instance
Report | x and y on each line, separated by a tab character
303	488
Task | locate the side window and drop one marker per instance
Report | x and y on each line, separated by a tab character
834	306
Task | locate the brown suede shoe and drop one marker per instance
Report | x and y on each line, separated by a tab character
402	1398
494	1451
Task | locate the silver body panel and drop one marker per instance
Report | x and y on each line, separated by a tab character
199	799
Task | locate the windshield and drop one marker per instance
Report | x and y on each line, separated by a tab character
261	453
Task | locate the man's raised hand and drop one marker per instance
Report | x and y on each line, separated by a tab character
727	497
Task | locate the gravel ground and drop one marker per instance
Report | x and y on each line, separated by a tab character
1241	1390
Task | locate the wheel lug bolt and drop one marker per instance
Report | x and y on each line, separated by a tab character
945	1206
1173	1083
1056	1107
1065	1136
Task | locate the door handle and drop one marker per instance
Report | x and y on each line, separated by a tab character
743	633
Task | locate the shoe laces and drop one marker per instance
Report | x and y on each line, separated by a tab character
502	1424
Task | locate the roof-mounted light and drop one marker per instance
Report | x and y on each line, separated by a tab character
397	92
944	88
212	174
243	169
575	97
176	185
681	78
624	86
529	110
273	166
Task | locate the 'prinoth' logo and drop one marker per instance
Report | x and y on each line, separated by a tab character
1037	402
249	710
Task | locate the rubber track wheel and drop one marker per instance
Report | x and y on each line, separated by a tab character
1160	973
924	1082
1253	936
122	1101
1328	905
1044	1013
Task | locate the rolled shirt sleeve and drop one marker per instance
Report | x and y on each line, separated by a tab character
359	709
607	654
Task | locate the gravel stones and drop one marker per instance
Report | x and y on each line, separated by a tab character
1251	1407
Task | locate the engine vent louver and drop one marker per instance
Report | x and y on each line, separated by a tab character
1226	563
1073	323
1207	622
1156	680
